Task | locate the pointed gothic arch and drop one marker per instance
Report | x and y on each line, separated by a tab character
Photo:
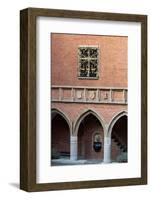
88	124
114	120
83	115
55	111
117	132
60	134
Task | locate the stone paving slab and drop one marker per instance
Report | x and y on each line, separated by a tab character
57	162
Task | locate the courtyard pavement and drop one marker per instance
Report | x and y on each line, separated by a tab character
65	161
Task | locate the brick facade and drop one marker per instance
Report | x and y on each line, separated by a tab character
112	60
112	75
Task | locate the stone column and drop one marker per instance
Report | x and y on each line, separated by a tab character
107	149
73	147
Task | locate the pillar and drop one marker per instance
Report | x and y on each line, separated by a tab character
73	147
107	149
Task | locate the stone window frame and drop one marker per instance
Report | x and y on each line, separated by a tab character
98	59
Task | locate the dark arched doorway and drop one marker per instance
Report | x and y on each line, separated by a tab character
60	136
119	140
90	133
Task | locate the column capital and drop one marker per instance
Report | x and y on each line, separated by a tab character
107	140
73	138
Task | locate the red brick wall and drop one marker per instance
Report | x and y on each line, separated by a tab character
60	137
74	110
113	59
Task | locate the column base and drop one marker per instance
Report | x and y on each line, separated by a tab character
106	161
73	158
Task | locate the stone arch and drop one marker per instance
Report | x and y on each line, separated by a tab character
117	132
114	120
83	115
55	111
86	124
60	134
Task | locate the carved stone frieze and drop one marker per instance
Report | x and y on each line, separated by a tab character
89	94
79	94
92	95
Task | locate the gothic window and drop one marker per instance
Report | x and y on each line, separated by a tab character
88	62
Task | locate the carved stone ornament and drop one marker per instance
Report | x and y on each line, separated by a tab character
105	96
79	94
92	95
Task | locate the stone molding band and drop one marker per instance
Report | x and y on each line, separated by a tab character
95	95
